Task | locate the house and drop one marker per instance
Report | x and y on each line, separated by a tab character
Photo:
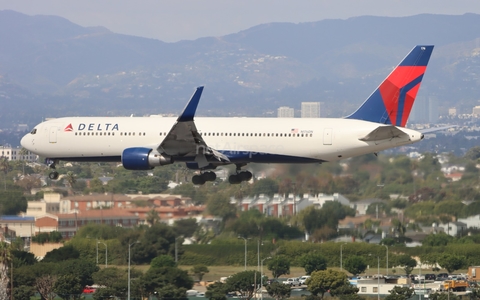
454	228
22	225
68	224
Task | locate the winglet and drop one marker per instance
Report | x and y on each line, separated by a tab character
189	110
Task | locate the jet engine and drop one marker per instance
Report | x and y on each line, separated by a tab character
143	159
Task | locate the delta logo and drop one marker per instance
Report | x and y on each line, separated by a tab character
69	127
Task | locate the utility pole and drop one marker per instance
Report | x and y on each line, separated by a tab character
129	245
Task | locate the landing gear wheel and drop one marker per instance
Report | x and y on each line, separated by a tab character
234	179
53	175
198	180
245	176
209	176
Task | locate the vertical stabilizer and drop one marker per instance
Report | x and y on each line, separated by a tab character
392	101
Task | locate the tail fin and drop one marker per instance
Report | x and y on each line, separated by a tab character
392	101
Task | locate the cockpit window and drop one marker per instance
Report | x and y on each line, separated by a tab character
34	131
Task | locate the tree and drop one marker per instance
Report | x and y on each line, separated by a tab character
5	168
438	239
12	201
185	227
279	265
158	239
313	262
5	260
219	205
323	281
400	293
115	281
216	291
346	292
407	262
243	283
163	261
82	269
355	265
199	271
61	254
152	217
71	180
28	182
156	279
45	286
68	286
445	296
452	262
278	290
170	291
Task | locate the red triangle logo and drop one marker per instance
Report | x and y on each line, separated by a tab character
69	127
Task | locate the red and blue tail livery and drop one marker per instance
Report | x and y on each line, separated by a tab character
392	102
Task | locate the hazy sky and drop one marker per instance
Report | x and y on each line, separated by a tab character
174	20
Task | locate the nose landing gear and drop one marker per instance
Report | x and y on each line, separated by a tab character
51	164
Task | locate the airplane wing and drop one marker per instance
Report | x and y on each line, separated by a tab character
383	133
184	140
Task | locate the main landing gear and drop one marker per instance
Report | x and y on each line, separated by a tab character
51	164
204	177
240	176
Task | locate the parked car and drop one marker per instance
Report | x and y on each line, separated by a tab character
292	282
442	276
88	290
430	277
303	279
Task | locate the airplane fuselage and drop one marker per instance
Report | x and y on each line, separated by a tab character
262	140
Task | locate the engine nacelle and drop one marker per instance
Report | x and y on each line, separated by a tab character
143	159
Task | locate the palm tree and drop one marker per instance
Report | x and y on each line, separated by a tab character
152	217
71	180
5	260
4	167
23	152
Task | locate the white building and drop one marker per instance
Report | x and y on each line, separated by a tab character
471	222
310	109
454	228
12	153
285	112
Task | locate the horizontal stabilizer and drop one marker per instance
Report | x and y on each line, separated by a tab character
383	133
435	129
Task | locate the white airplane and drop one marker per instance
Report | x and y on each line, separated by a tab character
142	143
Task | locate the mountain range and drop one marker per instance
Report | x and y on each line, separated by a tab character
51	67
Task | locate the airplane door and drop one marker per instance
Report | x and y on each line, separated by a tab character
53	134
327	136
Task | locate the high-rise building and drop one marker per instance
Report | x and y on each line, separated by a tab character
285	112
452	112
424	110
476	111
310	109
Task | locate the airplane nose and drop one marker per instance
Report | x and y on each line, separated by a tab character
24	141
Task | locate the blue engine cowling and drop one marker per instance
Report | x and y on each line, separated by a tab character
140	158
